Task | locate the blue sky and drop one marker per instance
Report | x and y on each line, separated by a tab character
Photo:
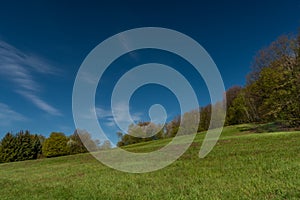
43	43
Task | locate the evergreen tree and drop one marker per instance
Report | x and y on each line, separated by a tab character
19	147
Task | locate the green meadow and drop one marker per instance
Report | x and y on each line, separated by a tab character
243	165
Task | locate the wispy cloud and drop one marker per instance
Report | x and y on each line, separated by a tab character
40	103
120	115
125	42
19	68
9	116
19	75
10	54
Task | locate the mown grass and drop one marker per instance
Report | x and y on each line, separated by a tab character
243	165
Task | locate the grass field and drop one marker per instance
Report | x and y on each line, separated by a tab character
242	165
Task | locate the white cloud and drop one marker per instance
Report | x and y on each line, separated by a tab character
40	103
120	116
10	54
19	75
19	67
9	116
102	113
89	78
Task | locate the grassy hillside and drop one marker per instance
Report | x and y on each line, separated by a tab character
243	165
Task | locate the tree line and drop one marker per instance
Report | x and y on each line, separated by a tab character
271	94
26	146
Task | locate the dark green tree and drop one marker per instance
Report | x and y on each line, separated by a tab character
8	148
231	94
19	147
205	115
238	112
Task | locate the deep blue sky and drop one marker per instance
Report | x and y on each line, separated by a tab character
43	44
